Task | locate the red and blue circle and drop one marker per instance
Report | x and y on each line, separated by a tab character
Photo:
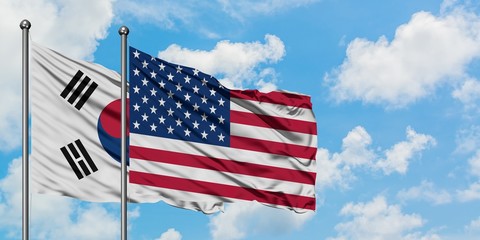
109	129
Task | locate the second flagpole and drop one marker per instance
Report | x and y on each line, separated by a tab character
25	26
123	31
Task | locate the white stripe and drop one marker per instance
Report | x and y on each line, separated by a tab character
227	178
187	200
209	203
221	152
271	109
274	135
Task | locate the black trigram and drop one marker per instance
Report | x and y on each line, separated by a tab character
78	90
79	155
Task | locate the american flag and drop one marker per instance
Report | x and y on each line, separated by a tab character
196	144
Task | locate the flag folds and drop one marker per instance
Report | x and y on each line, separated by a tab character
75	128
196	144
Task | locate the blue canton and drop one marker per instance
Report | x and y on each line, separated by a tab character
173	101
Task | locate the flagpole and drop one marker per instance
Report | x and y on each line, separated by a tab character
25	26
123	31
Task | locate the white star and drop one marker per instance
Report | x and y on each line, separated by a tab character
187	79
145	99
136	72
187	115
170	77
144	82
144	117
136	53
136	125
204	81
136	107
179	104
170	94
153	110
212	109
161	119
179	87
195	107
212	92
153	92
161	84
196	124
152	58
179	69
162	67
212	127
204	117
204	135
170	112
144	64
204	99
187	132
221	137
136	89
170	130
196	89
187	97
221	119
153	127
179	122
161	102
153	74
195	72
221	102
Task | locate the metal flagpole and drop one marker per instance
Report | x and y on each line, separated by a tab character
123	31
25	26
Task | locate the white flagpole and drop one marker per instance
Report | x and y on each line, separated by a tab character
25	26
123	31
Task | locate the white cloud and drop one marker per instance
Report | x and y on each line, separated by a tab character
377	220
242	219
398	157
243	9
468	93
170	234
71	27
198	16
474	163
411	66
357	152
470	194
52	217
134	213
337	168
241	69
425	191
473	226
332	171
164	13
468	140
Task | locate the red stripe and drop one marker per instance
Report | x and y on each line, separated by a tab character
265	146
222	190
279	123
223	165
283	98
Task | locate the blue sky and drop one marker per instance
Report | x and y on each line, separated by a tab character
395	89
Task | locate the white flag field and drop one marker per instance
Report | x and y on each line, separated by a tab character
68	99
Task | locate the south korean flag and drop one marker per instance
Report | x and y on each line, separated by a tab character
75	128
